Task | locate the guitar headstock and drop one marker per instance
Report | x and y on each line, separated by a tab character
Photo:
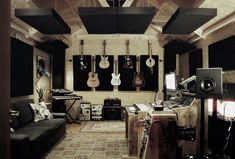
81	42
127	42
104	42
149	43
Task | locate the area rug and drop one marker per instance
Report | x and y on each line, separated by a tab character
83	145
104	126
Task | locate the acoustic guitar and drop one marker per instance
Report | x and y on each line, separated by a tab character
82	64
138	80
93	80
127	63
150	62
104	62
115	81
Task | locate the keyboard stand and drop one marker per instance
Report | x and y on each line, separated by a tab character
69	97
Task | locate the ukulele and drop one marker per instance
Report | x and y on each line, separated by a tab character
104	63
150	62
138	80
115	81
83	63
128	63
93	80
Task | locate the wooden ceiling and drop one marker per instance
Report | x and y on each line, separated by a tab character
67	9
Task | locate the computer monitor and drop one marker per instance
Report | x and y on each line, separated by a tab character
170	82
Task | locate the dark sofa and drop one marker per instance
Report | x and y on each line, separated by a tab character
31	140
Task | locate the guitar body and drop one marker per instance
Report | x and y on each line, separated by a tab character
115	81
138	80
128	63
83	64
150	62
104	62
93	80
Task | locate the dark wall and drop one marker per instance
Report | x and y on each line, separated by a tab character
5	78
222	54
57	49
169	61
172	48
21	68
58	69
195	61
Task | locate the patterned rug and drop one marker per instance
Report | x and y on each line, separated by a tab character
104	126
91	145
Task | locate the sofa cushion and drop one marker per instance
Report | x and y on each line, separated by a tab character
25	113
54	124
35	133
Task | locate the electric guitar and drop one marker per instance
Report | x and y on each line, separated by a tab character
115	81
128	63
104	62
82	63
138	80
150	62
93	80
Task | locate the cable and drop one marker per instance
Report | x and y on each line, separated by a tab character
227	140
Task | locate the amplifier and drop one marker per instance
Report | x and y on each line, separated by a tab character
112	112
112	102
96	112
85	111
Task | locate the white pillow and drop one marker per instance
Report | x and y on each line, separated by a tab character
40	111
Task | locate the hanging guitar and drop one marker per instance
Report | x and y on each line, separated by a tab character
127	63
104	62
93	80
82	64
115	81
138	80
150	62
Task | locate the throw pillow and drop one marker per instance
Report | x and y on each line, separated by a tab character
12	130
40	111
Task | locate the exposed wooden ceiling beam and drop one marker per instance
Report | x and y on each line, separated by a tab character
117	36
19	28
128	3
223	22
71	6
103	3
31	32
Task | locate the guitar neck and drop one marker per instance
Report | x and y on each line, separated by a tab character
104	44
127	49
81	47
138	64
150	49
92	65
116	69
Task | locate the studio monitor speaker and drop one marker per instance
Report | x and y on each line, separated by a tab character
209	83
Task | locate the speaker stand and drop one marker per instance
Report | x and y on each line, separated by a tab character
202	128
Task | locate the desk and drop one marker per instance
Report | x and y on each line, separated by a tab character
69	97
187	115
